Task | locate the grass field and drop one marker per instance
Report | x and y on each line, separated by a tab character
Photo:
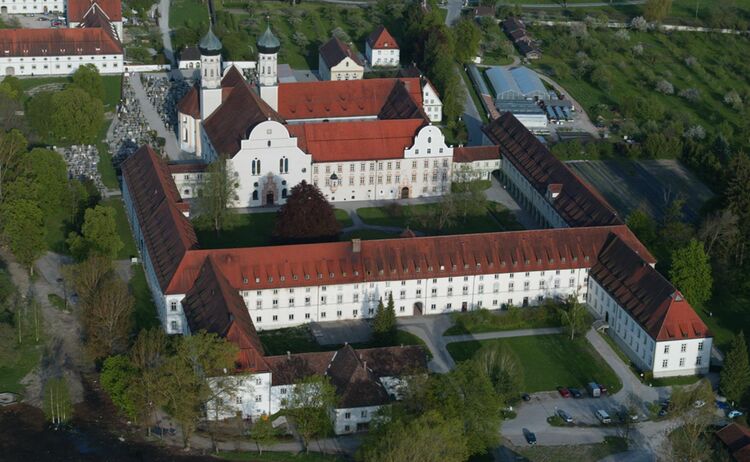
648	184
248	230
579	453
412	216
478	321
22	360
716	66
145	310
300	340
549	361
123	228
187	12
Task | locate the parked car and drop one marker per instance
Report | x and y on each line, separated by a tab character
602	389
722	405
529	435
525	397
603	417
664	408
564	392
593	389
699	404
734	413
42	19
56	23
575	392
624	414
565	416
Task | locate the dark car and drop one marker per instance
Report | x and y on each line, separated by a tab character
575	392
564	392
664	408
529	435
564	416
602	389
525	397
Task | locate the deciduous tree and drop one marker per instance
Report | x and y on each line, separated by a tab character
116	377
12	147
306	216
98	234
88	275
468	36
263	433
87	78
217	197
691	273
309	405
76	117
735	375
657	10
23	230
148	354
108	318
573	316
504	370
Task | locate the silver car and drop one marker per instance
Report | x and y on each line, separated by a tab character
565	416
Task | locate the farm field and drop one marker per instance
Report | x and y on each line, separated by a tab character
647	184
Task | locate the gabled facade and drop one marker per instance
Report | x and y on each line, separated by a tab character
381	49
337	61
96	13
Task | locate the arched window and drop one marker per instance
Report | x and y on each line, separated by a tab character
253	168
283	193
281	165
269	143
255	195
429	139
187	192
259	165
286	165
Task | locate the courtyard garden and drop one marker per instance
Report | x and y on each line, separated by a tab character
483	320
549	361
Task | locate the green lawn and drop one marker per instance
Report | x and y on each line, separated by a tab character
123	228
105	166
146	316
57	226
17	364
477	321
496	218
300	340
279	457
112	91
719	67
549	361
187	12
343	217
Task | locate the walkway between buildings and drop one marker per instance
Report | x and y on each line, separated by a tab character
153	119
164	28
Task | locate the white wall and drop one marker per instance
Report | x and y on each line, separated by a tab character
518	185
31	6
382	57
58	65
347	69
188	132
431	103
352	420
665	358
478	169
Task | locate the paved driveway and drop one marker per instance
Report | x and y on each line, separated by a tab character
340	332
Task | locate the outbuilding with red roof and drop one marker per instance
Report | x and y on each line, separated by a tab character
381	49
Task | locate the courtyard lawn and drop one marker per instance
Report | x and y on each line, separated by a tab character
495	218
123	228
145	311
19	362
343	218
105	166
477	321
188	13
299	339
549	361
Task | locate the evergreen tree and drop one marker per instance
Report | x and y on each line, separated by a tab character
384	323
306	216
735	375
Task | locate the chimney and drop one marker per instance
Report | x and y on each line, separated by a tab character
356	245
553	190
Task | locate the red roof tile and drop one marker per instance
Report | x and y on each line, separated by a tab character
256	268
645	294
187	167
578	204
216	307
76	9
475	153
380	38
334	51
342	98
241	110
190	103
737	440
359	140
167	233
57	42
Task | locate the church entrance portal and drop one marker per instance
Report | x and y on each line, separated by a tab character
269	199
404	193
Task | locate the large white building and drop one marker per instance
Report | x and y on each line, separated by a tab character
34	52
31	6
381	49
356	140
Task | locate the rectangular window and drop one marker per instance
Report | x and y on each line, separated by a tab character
700	346
682	362
664	364
307	300
339	298
666	349
307	315
323	300
291	302
683	348
698	360
355	298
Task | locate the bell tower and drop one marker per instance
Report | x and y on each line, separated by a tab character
210	48
267	71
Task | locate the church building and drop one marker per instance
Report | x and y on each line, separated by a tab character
355	139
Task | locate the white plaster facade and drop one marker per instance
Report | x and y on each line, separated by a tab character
346	69
58	65
475	170
382	57
431	102
541	206
662	358
31	6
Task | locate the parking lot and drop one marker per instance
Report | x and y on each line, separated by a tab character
37	21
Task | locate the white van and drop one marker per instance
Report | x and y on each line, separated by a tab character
603	416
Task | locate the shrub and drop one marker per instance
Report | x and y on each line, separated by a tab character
664	86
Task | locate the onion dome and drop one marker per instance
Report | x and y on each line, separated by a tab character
268	43
210	45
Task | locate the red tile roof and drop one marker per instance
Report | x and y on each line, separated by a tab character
578	204
380	38
190	103
76	9
256	268
57	42
474	153
167	233
737	440
343	98
358	140
187	167
216	307
241	110
645	294
334	51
